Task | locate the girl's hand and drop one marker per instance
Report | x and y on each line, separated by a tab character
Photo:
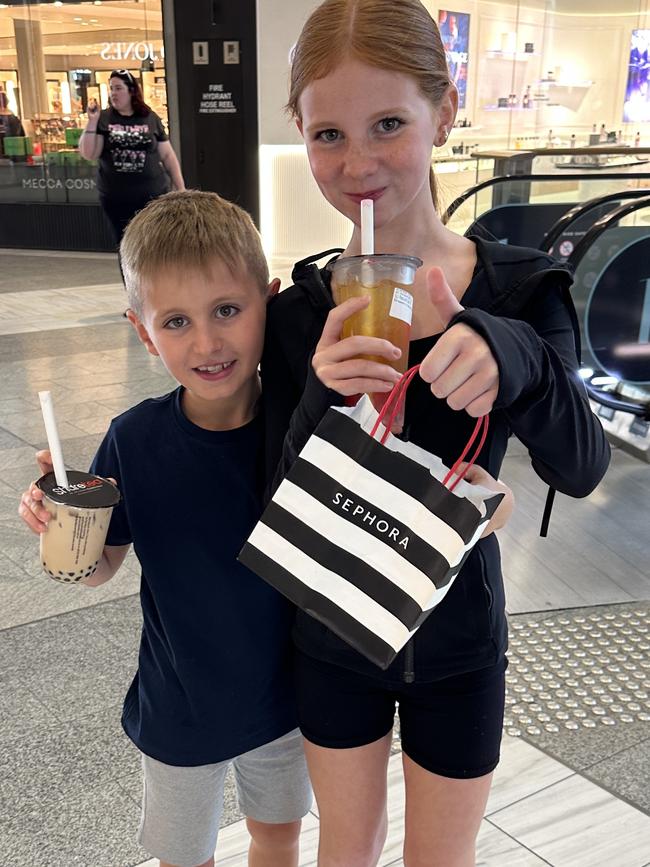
460	368
336	362
478	476
92	109
31	508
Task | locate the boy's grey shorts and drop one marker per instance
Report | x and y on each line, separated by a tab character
182	807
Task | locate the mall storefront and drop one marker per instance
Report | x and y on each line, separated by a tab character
56	56
530	73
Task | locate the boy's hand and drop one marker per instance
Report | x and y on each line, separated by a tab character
478	476
460	368
31	508
336	362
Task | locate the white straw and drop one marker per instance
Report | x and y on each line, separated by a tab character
53	438
367	227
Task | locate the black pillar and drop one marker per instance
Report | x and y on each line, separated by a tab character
214	101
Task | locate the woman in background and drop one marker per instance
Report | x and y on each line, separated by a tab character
136	160
10	125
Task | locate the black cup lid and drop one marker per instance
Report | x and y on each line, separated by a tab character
84	490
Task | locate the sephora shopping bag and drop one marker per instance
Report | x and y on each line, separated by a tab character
367	534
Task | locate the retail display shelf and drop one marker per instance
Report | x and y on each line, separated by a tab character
497	54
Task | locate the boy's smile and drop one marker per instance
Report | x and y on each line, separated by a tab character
207	326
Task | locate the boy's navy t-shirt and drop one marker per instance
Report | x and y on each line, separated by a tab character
214	676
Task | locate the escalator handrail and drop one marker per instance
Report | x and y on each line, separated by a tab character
601	226
502	179
561	225
606	398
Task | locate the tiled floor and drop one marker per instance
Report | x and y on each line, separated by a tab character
70	780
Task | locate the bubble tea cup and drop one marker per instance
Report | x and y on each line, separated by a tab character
388	280
72	545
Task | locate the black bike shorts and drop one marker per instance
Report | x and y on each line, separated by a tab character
451	727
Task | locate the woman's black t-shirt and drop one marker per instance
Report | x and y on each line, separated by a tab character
129	165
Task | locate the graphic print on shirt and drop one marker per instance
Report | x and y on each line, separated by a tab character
129	144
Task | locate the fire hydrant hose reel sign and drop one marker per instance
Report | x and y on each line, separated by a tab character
216	100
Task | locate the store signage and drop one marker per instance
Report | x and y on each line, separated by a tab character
131	51
58	184
216	100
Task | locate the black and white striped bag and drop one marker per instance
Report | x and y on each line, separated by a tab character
367	535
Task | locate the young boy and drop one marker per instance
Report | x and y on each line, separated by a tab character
213	681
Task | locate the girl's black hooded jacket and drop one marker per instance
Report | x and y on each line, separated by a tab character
519	302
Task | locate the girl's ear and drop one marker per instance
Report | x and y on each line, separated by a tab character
299	125
448	109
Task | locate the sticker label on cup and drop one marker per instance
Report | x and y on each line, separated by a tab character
402	305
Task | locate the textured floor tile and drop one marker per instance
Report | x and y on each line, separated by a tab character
576	824
97	424
32	432
496	849
19	457
63	342
627	774
45	309
18	478
86	826
9	440
68	664
20	710
36	597
48	272
120	621
18	404
522	771
579	681
131	784
62	757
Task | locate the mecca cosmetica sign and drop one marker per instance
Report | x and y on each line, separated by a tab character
59	184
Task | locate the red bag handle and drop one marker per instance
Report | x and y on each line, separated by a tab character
398	395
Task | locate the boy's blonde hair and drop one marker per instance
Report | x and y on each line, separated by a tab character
189	229
397	35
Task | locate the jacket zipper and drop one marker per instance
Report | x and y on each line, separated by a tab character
409	666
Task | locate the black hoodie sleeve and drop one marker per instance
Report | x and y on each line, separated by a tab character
293	398
542	395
